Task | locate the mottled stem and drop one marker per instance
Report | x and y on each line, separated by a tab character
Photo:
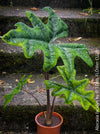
52	107
34	98
48	119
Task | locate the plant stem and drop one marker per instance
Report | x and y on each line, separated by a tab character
90	2
53	105
48	93
48	120
34	98
42	55
48	117
37	101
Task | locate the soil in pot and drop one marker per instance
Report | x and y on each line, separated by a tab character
56	124
55	121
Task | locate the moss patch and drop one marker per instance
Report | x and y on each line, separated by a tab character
77	27
20	117
17	63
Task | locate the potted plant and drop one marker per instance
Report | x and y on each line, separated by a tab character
40	37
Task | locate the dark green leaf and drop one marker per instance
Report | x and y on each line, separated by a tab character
38	37
74	90
41	36
69	51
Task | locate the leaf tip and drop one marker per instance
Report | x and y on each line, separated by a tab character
91	63
48	9
5	38
28	13
4	106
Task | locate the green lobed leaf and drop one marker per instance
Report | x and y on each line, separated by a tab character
74	90
16	90
40	37
69	51
40	31
57	26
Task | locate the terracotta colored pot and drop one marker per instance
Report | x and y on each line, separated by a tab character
48	130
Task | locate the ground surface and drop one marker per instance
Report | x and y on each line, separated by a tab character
37	87
62	13
23	107
92	44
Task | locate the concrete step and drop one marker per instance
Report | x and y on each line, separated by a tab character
37	88
51	3
78	25
12	59
19	115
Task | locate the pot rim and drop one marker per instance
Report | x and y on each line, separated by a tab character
54	113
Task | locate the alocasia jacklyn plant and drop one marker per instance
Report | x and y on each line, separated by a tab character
40	37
